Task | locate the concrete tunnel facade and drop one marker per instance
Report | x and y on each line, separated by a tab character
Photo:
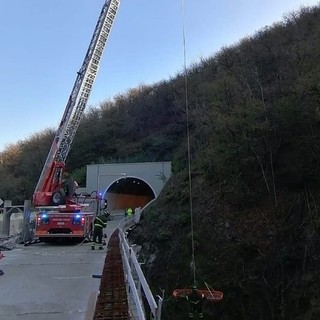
127	184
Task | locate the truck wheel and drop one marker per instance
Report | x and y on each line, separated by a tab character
58	198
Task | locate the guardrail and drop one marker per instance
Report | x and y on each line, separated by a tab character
135	277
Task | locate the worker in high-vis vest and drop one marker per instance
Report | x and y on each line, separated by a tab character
99	223
129	212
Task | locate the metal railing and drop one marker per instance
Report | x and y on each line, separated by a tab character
136	280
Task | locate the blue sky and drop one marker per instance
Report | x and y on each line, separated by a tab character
43	43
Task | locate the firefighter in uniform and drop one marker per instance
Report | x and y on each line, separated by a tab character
99	223
196	301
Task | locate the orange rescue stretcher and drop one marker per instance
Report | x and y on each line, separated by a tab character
211	296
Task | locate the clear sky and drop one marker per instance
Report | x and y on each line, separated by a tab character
43	43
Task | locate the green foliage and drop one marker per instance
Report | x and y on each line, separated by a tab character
79	175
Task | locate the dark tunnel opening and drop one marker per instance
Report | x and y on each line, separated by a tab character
129	192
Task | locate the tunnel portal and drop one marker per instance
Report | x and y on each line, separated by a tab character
128	192
127	184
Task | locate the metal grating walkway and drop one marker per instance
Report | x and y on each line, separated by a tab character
112	302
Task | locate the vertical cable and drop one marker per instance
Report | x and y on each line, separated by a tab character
193	264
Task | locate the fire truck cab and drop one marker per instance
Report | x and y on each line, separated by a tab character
53	223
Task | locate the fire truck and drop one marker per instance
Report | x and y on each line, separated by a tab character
60	211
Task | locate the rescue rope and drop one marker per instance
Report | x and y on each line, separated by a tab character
209	288
210	294
193	264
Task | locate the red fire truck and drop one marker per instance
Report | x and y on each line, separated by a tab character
60	223
60	212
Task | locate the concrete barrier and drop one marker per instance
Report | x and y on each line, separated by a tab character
16	224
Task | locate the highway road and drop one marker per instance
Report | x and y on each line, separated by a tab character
50	281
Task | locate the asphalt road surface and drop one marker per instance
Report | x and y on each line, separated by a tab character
50	281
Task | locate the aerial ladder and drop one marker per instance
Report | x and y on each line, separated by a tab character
51	189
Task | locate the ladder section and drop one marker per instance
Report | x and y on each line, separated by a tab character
79	96
86	77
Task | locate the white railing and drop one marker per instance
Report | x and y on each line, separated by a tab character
136	280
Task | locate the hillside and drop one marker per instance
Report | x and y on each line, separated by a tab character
254	111
255	182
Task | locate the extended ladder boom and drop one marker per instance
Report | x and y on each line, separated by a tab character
51	176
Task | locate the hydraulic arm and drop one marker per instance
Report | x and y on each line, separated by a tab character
49	187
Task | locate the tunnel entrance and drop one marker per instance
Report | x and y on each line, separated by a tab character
128	192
